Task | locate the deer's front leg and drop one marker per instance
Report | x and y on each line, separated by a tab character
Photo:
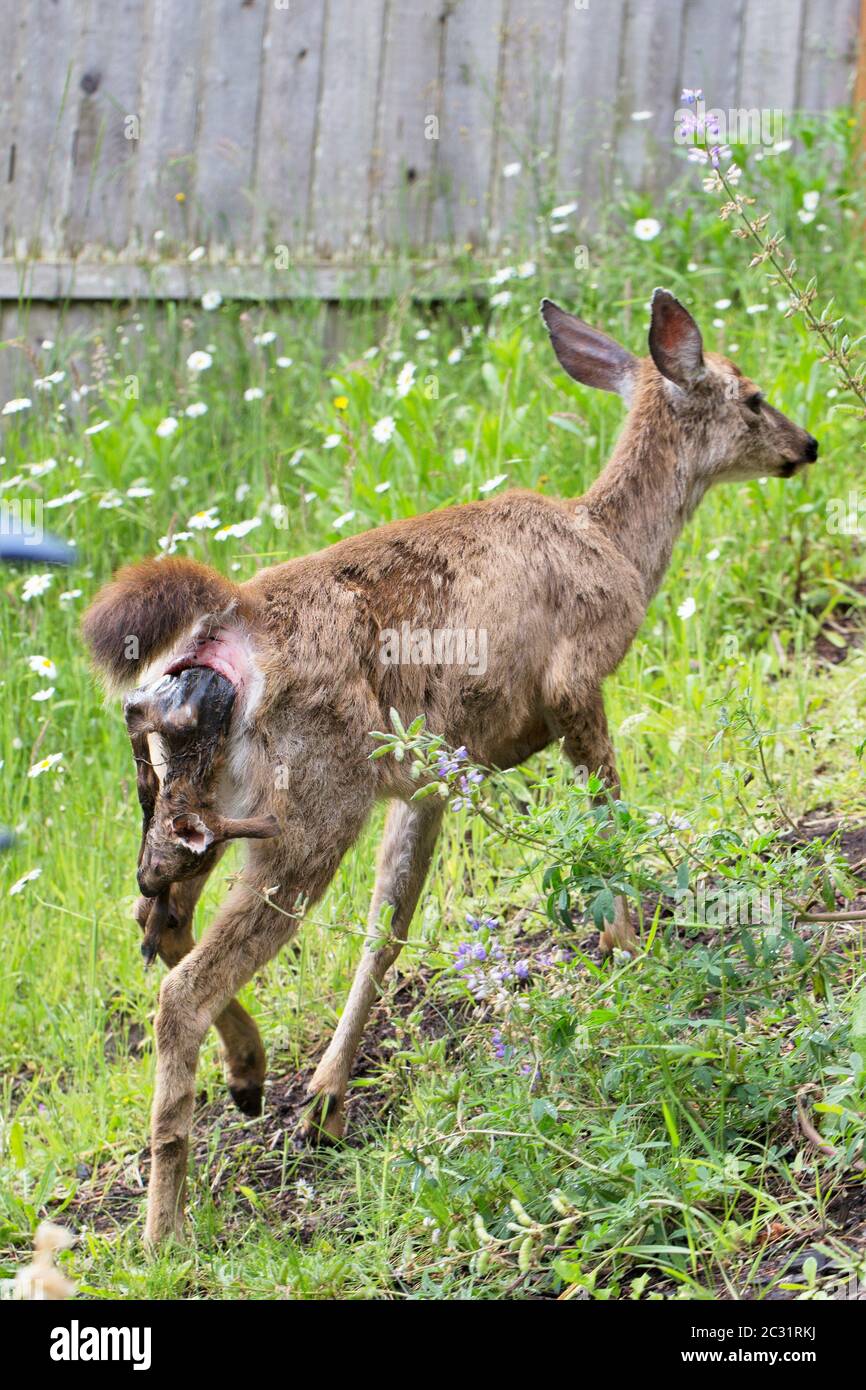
587	744
249	929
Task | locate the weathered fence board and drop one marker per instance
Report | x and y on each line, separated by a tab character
348	130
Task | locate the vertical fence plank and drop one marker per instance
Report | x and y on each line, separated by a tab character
170	86
340	202
470	69
828	54
650	70
287	122
772	36
407	134
104	93
590	83
529	107
710	55
228	114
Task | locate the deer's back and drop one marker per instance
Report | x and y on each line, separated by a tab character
527	601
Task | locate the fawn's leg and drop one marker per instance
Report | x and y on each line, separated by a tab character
587	744
249	929
404	858
241	1047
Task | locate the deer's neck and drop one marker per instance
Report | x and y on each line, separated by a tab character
645	494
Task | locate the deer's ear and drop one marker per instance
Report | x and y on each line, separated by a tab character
588	355
675	341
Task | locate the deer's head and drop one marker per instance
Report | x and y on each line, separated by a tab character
721	425
179	729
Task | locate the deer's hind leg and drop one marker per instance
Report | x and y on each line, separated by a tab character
241	1047
407	847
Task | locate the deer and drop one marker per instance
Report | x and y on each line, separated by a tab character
561	587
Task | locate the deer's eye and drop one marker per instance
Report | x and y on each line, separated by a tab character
754	403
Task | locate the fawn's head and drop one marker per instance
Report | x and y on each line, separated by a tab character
179	729
722	426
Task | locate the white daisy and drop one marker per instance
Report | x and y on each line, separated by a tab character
383	429
563	210
199	361
455	356
69	594
500	299
139	490
45	764
510	171
238	529
196	254
331	441
460	456
253	393
195	409
43	666
406	379
647	228
98	427
211	299
23	881
339	522
284	361
74	496
166	427
204	520
36	585
493	482
687	609
43	694
13	407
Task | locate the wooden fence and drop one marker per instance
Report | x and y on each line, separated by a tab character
346	131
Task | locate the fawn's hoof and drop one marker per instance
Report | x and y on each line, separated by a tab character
324	1121
248	1099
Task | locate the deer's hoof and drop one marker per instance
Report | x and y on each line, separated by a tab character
248	1099
324	1121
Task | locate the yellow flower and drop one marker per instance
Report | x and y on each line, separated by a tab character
180	197
341	402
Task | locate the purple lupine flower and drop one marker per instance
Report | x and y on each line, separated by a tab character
692	94
479	951
521	970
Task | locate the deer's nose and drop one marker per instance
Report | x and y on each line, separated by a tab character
811	450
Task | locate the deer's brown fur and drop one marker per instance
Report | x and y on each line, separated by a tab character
561	588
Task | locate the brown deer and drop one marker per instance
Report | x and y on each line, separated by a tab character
560	587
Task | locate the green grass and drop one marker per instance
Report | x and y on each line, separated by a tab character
642	1116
